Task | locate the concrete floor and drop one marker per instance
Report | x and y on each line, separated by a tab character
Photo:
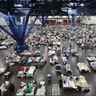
41	74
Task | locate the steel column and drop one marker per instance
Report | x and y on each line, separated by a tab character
25	21
43	20
18	32
18	26
13	27
73	23
31	26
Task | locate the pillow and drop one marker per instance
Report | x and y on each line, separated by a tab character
21	69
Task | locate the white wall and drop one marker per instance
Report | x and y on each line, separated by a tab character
57	17
31	19
88	19
49	17
84	20
2	21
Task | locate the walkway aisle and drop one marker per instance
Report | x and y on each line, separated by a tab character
41	74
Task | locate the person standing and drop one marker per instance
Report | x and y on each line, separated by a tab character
78	57
11	89
1	94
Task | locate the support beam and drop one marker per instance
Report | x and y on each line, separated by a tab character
43	20
18	26
13	27
73	22
25	21
30	28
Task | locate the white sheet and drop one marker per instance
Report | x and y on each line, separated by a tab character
31	71
3	47
82	66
